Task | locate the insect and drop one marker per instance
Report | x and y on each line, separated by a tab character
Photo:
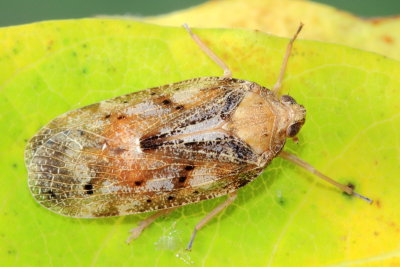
164	147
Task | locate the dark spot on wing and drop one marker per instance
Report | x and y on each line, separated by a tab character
51	193
243	183
170	198
189	167
120	117
166	102
182	179
88	188
231	102
107	116
149	144
139	183
179	107
152	142
242	151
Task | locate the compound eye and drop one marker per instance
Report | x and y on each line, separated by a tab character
288	99
294	129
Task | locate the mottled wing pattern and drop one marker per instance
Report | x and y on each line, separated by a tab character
155	149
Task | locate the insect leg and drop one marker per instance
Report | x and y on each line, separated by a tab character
292	158
146	222
231	197
278	83
209	52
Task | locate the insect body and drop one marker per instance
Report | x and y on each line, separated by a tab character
161	148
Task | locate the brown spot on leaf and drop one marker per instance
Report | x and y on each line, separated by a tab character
387	39
50	44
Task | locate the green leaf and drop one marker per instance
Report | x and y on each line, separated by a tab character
285	217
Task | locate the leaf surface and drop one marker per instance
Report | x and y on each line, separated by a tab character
281	17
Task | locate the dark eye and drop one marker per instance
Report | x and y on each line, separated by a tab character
288	99
294	129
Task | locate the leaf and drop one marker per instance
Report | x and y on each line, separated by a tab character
286	217
281	17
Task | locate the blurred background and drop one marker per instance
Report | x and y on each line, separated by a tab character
13	12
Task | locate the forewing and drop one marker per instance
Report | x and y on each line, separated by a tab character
155	149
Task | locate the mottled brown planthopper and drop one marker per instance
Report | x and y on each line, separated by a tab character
164	147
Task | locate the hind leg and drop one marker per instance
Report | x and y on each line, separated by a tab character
231	197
